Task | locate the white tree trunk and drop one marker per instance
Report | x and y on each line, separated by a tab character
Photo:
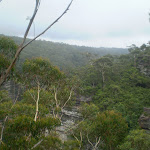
37	104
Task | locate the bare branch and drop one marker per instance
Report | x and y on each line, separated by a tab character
22	46
49	25
81	136
74	126
68	99
55	92
37	144
33	97
89	141
97	142
31	20
76	138
37	103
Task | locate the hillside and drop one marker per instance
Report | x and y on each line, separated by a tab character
102	101
63	55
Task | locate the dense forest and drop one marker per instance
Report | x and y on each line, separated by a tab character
109	88
66	57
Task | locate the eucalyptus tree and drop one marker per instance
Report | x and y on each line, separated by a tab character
102	65
100	130
47	85
134	52
39	74
8	49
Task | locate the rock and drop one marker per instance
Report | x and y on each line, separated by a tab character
144	120
143	64
84	99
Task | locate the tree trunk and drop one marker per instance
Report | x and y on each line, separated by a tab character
103	79
37	104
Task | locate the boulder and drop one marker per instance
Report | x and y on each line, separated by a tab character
144	120
143	64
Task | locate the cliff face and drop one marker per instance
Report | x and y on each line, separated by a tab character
144	120
143	64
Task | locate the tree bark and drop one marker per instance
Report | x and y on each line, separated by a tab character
37	104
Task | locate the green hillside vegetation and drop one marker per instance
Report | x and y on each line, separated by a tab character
118	86
65	56
117	83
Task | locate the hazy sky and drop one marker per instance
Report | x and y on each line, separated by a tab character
99	23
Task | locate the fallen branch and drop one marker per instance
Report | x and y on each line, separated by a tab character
37	144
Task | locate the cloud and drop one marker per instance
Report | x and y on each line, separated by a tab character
97	22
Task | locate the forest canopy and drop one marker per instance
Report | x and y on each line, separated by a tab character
108	91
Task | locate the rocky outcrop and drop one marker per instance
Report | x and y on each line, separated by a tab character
143	64
14	89
144	120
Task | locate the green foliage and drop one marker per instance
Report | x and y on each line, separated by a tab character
21	130
5	109
89	111
4	63
7	47
116	86
28	110
88	79
102	62
111	127
25	125
136	140
50	143
7	52
66	57
20	109
30	97
40	70
4	97
71	145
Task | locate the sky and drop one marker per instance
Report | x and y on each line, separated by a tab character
94	23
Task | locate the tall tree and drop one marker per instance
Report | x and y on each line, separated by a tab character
101	65
7	52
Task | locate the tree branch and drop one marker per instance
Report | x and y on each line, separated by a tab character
97	142
37	103
33	97
49	25
22	46
90	141
68	99
37	144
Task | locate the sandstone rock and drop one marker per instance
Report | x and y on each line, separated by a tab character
144	120
143	64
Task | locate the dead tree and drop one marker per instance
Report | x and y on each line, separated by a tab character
60	106
97	142
23	44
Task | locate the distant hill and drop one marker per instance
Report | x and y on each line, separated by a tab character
63	55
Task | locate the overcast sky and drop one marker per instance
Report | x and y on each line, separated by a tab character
98	23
